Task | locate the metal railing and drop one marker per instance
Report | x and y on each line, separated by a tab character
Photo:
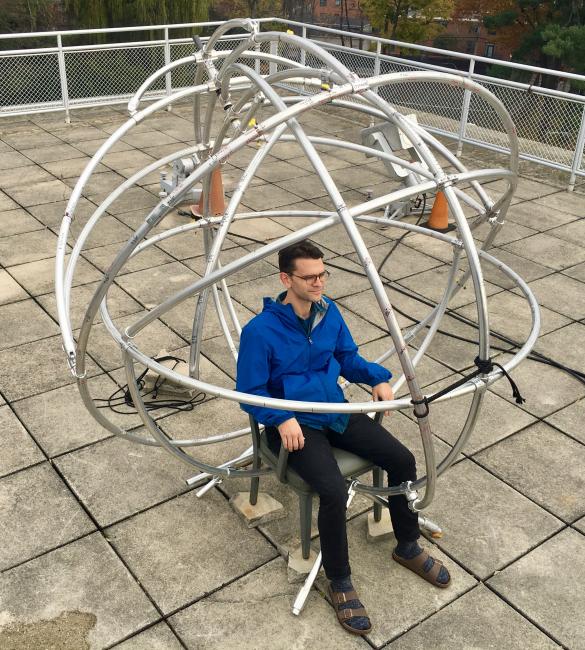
550	121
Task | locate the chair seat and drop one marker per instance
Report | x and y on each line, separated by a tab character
349	465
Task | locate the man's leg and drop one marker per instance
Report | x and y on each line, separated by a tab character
368	439
316	464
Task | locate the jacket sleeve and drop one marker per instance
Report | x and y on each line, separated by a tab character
354	367
253	373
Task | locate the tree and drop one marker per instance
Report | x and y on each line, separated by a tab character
95	14
411	21
29	15
548	33
226	9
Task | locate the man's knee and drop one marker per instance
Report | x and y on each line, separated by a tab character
401	465
333	494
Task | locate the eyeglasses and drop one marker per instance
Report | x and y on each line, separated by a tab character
311	279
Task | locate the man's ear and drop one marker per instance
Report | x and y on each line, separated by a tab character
285	279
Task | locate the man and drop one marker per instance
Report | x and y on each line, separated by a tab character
296	349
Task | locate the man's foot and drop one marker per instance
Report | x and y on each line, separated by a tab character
415	558
351	614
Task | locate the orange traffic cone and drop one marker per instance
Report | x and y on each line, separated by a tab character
216	197
439	217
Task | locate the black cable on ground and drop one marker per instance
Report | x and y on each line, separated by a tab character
120	401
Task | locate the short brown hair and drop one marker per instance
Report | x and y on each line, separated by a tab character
301	250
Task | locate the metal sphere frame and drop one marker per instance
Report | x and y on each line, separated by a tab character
332	84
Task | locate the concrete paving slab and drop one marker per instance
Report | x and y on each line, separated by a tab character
6	203
126	159
152	286
22	178
571	232
58	419
35	500
527	188
99	185
385	586
565	345
310	187
497	419
72	168
577	272
548	250
38	277
43	192
532	215
148	139
266	197
512	231
527	269
486	523
27	247
562	294
120	303
563	202
10	290
54	152
580	525
510	315
89	147
280	170
11	159
51	214
61	596
543	587
75	133
36	367
103	256
32	140
546	389
432	284
259	229
12	316
337	240
479	619
403	261
180	568
255	611
570	420
17	448
151	340
543	464
116	478
251	273
14	222
180	319
159	637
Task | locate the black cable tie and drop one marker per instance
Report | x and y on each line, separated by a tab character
418	402
515	390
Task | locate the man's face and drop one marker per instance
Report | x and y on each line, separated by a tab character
307	290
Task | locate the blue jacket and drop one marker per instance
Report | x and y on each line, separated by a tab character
278	359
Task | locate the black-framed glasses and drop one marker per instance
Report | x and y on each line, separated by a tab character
311	279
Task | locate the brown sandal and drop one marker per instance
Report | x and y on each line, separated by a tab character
343	615
417	563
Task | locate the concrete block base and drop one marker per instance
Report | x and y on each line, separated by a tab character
379	530
266	508
298	568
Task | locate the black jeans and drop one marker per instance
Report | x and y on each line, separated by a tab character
316	464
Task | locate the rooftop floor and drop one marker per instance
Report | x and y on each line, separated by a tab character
103	544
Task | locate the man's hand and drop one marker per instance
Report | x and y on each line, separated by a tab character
382	393
291	434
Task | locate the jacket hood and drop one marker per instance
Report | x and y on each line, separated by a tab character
286	313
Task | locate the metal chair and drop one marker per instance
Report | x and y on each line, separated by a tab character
349	464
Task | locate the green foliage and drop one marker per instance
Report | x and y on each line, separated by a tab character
567	44
408	20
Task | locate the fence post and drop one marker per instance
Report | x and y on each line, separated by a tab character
273	50
168	77
578	155
303	53
63	78
377	62
465	111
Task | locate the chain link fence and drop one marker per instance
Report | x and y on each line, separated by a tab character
550	123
